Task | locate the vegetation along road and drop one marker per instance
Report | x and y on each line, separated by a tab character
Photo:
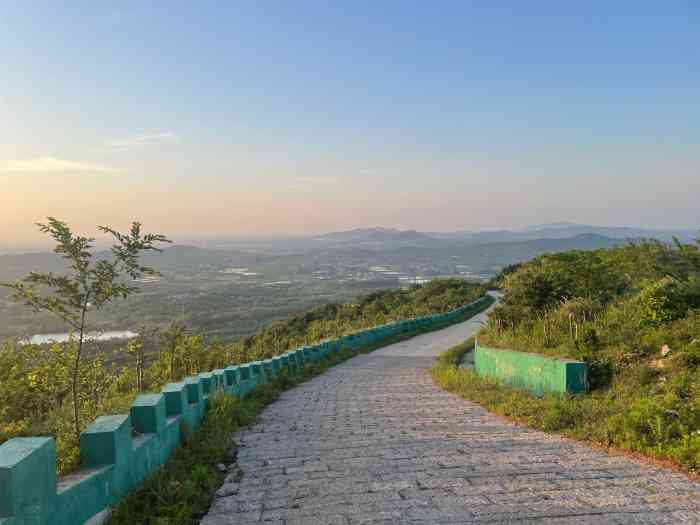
374	440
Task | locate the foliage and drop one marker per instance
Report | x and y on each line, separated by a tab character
90	285
633	315
36	393
667	299
497	282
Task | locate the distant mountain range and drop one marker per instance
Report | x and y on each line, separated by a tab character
376	235
363	242
558	230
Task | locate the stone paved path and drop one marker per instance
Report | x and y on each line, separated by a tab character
375	441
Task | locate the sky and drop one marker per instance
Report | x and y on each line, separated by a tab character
272	117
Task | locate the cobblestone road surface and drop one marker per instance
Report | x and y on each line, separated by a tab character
375	441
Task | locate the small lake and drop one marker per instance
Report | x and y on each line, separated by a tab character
41	339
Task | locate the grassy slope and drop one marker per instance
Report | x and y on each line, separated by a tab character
621	309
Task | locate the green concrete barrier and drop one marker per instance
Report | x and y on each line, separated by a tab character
118	452
533	372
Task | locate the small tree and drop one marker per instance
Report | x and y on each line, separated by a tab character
135	349
89	285
171	340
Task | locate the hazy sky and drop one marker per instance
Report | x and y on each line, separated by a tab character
291	117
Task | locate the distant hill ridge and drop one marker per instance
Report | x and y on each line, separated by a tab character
375	235
565	230
555	236
556	230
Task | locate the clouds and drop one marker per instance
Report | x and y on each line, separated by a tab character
313	183
317	180
53	165
140	141
59	165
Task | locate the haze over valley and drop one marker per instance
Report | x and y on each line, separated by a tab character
232	287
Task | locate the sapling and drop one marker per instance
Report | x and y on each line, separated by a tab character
88	285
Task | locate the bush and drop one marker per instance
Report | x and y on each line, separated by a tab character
665	300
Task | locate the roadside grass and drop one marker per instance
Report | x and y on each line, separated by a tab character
453	356
618	417
181	492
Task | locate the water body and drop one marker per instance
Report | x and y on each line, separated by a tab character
41	339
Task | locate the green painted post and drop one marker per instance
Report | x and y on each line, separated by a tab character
148	413
576	376
27	479
232	376
219	378
196	401
207	378
107	441
268	370
295	359
244	371
277	365
175	399
195	389
247	379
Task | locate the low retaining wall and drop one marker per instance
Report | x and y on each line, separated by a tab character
533	372
118	452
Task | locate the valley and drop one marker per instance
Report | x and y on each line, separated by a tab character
230	288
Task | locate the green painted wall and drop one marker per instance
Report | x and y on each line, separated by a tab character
118	452
533	372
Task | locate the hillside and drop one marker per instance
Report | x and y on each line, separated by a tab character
564	230
632	314
375	235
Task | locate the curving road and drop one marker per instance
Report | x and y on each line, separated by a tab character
373	440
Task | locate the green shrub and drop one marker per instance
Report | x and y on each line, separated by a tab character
665	300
